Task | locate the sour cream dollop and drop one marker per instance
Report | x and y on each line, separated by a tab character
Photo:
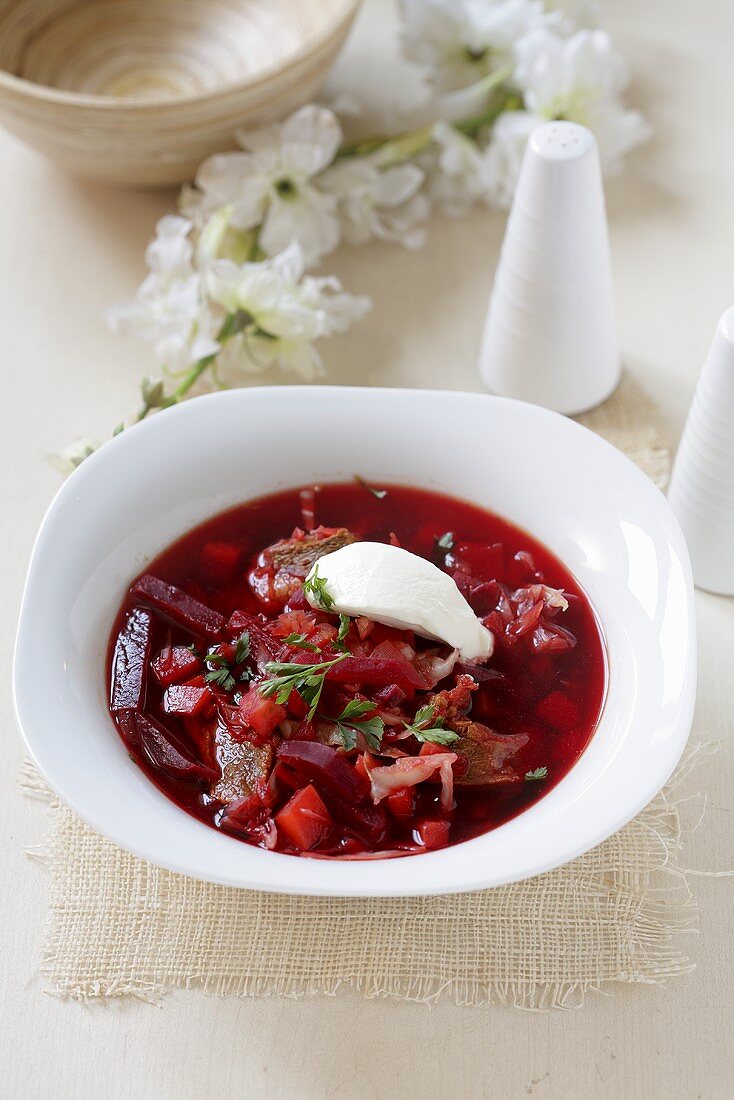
400	589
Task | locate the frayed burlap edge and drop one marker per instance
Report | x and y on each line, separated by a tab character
613	915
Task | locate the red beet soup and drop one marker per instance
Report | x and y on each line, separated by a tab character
298	729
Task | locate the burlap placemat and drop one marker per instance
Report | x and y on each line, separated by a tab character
121	926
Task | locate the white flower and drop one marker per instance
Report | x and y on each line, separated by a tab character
460	174
170	253
285	311
461	41
170	308
575	14
67	460
580	79
504	154
271	183
382	203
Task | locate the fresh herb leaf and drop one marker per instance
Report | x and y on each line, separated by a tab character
307	680
537	773
344	622
353	720
446	541
425	727
242	648
222	677
437	735
220	669
214	659
299	640
315	586
379	493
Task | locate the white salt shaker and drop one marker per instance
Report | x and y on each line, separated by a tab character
550	334
702	484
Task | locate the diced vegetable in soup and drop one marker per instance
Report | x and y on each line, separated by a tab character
336	719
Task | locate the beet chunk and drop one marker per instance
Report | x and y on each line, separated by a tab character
130	662
166	751
178	606
327	767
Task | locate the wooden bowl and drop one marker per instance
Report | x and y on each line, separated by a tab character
139	92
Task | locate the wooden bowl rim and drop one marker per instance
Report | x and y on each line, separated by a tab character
47	94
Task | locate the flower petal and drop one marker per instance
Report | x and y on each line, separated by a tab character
308	218
397	185
310	137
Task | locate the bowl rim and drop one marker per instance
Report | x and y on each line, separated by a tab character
46	93
277	881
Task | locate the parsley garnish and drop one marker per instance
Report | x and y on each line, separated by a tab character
446	541
537	773
242	648
353	720
315	586
220	671
379	493
425	727
289	676
222	677
299	640
343	631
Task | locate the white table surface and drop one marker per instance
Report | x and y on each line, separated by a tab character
68	250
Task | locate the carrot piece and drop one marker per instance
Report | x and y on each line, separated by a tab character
186	699
260	714
304	819
402	803
432	834
175	663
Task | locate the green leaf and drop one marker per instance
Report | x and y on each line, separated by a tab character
437	735
220	669
215	659
425	728
222	677
344	622
356	708
537	773
348	736
288	676
315	586
299	640
425	715
446	541
242	648
353	720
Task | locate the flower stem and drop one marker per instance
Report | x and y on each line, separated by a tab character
399	148
500	104
232	324
189	379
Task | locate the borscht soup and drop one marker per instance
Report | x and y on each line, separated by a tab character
355	671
